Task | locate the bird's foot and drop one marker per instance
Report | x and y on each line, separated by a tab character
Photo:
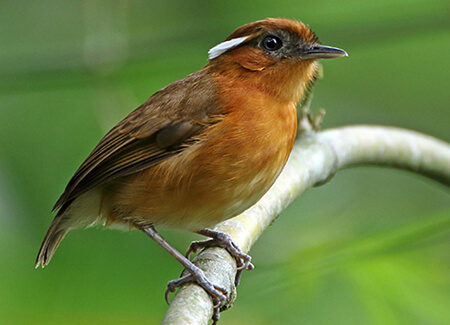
243	261
218	294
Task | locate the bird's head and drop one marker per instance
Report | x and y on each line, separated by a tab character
277	55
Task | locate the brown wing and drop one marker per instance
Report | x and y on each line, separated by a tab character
156	130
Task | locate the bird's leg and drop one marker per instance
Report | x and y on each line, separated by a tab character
243	261
217	293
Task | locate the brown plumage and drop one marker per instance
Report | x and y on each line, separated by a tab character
204	148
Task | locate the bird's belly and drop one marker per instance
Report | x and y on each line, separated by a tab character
195	201
209	182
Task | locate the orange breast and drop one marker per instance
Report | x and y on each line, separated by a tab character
228	170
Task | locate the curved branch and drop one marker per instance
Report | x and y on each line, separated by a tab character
389	146
315	159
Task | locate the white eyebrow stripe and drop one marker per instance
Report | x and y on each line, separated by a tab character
225	46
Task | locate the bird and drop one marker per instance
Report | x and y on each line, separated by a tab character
201	150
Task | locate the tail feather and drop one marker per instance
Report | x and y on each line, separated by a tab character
51	242
82	212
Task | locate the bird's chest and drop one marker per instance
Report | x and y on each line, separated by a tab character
261	145
245	154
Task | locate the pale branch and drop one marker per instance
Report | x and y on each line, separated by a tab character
315	159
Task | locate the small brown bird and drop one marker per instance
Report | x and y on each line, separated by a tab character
201	150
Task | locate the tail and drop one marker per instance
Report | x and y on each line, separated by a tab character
82	212
52	238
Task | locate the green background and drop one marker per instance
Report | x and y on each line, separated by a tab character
370	247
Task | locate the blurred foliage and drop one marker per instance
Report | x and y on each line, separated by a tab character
370	247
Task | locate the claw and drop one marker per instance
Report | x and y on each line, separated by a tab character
196	245
174	284
218	294
166	296
245	265
216	315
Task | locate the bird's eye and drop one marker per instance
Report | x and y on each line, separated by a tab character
271	43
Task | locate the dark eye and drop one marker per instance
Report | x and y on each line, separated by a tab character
271	43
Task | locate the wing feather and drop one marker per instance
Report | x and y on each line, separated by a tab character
157	130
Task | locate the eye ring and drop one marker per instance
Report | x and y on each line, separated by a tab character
271	43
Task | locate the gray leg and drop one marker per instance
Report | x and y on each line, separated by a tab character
217	293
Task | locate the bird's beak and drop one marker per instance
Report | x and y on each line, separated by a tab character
323	52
